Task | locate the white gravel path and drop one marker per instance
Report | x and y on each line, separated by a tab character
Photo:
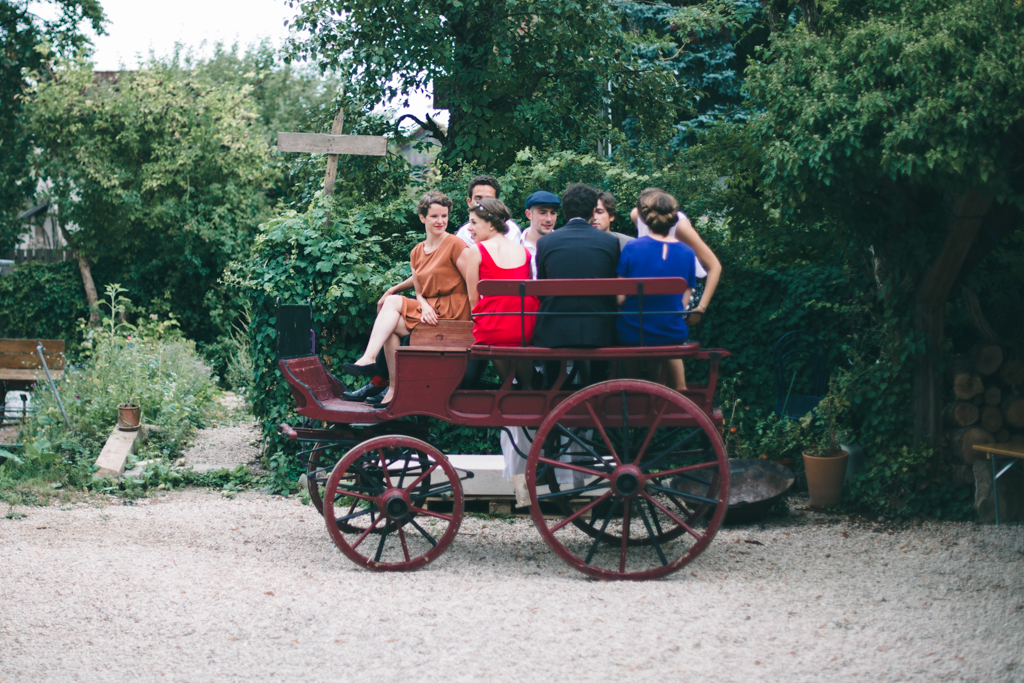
195	587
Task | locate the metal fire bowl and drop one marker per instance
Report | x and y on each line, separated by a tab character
754	487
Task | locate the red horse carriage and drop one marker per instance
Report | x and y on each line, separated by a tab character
628	479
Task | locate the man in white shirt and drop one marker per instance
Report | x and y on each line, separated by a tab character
480	187
542	212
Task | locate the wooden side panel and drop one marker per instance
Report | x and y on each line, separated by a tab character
447	334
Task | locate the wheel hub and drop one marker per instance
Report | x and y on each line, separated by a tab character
395	504
626	481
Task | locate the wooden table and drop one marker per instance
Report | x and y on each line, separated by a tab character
993	451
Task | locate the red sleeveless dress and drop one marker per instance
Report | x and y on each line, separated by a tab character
503	330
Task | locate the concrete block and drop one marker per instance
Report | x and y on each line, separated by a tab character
487	479
115	453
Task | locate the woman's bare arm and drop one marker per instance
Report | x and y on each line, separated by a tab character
468	264
402	286
686	234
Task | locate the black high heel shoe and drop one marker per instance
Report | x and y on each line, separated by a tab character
364	393
360	370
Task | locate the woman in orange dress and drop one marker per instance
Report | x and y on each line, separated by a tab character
492	257
439	277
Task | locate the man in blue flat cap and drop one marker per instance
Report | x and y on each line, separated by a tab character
542	212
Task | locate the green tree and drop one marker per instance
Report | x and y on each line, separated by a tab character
159	178
27	44
901	124
512	74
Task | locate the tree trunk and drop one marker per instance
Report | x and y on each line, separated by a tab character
960	414
987	357
968	211
962	441
85	269
1012	372
967	385
992	419
1013	411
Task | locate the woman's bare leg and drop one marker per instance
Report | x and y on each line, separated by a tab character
391	345
387	323
676	374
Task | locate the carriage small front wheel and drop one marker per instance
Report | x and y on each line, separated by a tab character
375	504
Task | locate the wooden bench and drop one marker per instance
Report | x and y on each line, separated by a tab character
993	451
19	360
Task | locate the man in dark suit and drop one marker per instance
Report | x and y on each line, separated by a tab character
577	250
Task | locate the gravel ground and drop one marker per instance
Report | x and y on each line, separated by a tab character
224	446
195	587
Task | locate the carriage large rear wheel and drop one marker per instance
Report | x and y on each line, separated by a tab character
375	504
640	475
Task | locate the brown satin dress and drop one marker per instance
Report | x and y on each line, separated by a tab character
440	281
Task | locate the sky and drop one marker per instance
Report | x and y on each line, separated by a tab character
137	27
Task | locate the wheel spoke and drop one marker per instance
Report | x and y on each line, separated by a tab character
430	513
600	535
583	444
373	525
383	540
677	492
673	447
384	466
570	466
568	520
600	429
688	468
423	532
625	427
445	488
420	478
352	515
654	517
650	533
650	432
625	531
405	547
671	515
571	492
348	492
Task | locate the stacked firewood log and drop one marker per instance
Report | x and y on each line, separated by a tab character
988	400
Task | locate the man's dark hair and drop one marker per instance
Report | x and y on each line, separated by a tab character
609	202
579	201
484	180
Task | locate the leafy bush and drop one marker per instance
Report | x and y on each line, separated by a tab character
43	301
154	364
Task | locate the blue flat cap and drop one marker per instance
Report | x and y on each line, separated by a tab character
542	198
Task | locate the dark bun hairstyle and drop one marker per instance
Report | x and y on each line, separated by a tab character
658	209
494	212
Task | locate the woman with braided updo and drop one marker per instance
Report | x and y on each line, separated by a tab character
658	254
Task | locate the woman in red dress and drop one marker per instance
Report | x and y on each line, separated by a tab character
493	257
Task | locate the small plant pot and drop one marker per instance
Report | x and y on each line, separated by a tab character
129	417
825	476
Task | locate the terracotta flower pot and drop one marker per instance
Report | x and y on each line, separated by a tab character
825	477
129	417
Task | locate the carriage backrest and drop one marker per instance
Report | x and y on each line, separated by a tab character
645	286
295	331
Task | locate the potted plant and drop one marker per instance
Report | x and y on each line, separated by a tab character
824	460
129	415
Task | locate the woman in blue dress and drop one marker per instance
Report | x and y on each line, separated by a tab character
658	254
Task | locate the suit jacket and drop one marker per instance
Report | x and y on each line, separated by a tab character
576	250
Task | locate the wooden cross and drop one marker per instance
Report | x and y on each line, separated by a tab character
332	145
